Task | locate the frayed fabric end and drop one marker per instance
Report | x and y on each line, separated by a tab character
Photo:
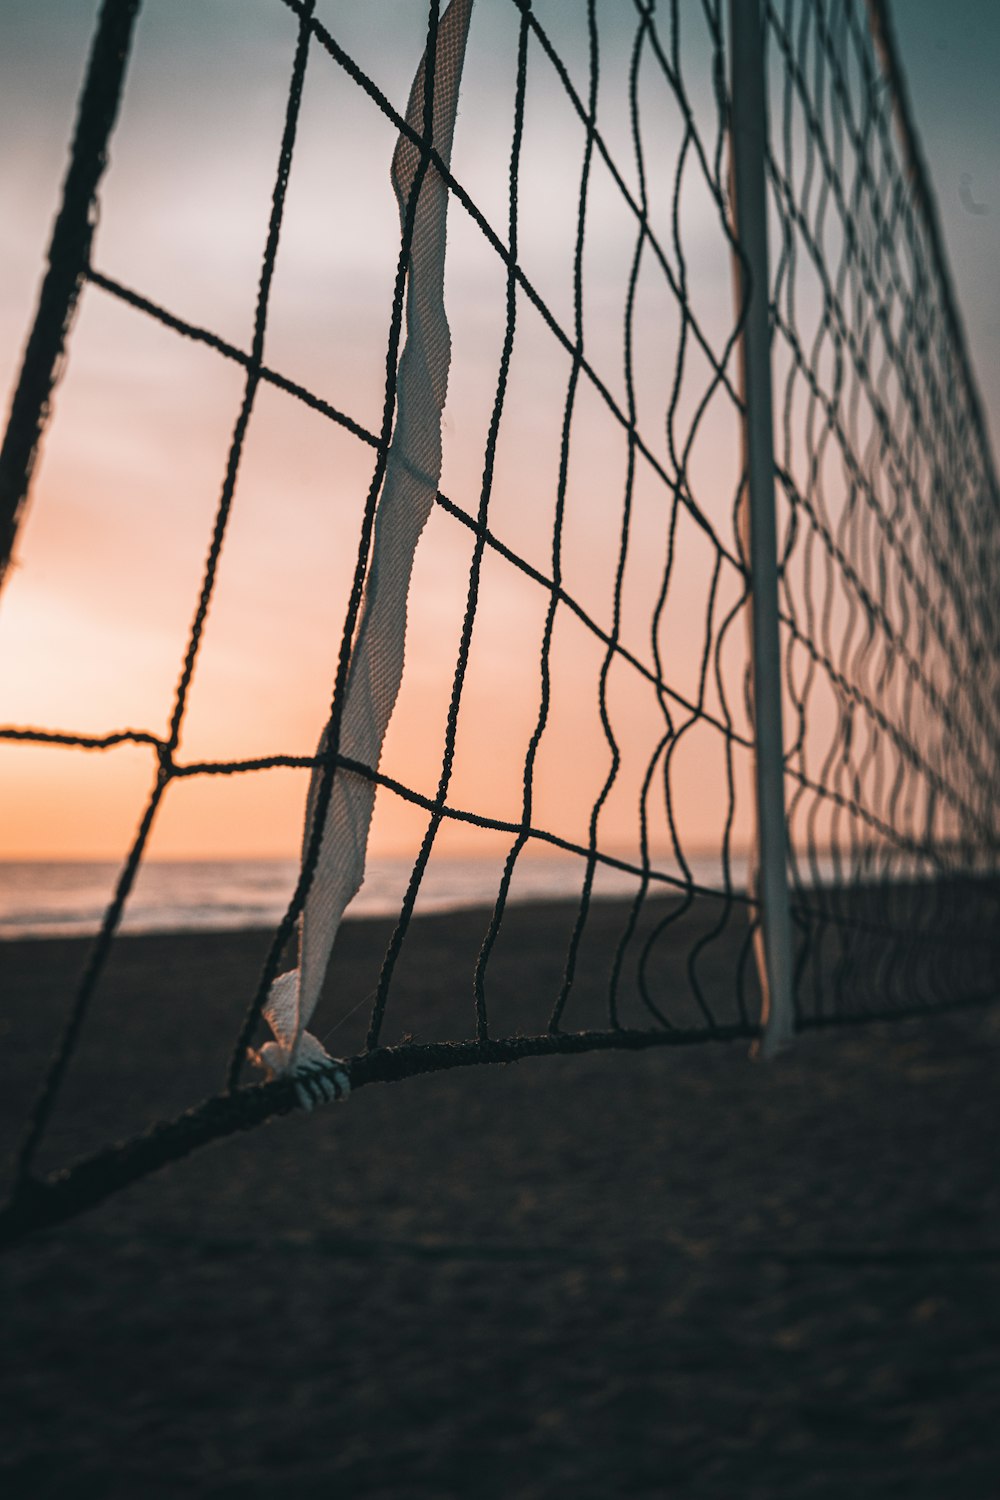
318	1078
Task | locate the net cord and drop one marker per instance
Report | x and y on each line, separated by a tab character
68	256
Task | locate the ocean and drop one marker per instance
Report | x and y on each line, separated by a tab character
41	898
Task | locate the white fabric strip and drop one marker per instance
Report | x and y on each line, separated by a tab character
413	471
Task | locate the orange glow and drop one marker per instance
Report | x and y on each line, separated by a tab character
95	617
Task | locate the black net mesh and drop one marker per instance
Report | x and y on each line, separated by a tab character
889	504
888	514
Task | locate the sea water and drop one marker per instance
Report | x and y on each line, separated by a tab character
41	898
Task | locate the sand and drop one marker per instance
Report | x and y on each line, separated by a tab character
668	1273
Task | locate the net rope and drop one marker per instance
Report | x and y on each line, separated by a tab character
889	515
890	544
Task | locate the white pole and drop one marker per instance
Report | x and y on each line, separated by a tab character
749	138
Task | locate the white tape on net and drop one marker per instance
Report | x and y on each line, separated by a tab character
413	470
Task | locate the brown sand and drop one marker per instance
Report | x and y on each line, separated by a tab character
671	1273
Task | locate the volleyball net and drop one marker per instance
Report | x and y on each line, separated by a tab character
566	550
889	506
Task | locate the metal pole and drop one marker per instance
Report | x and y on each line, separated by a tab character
749	139
69	256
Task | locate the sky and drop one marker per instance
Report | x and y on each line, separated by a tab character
94	618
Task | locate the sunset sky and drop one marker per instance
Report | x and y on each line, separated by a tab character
94	619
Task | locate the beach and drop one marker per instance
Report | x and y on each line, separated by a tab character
668	1272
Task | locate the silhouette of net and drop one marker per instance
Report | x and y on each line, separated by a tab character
890	650
890	506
